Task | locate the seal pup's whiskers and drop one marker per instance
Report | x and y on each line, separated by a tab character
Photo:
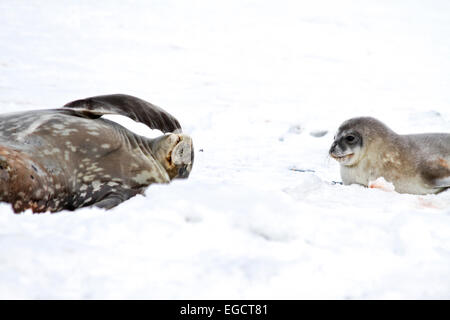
367	149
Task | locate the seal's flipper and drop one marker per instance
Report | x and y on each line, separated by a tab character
442	183
437	172
129	106
112	199
109	203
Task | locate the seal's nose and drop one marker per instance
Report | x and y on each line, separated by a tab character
333	148
183	172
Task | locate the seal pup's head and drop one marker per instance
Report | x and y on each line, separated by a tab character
175	152
353	138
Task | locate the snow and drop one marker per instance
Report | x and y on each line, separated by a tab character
261	86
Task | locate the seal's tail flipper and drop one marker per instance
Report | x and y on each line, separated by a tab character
129	106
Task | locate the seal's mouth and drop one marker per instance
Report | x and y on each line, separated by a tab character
342	158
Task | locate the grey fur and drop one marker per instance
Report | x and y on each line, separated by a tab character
416	163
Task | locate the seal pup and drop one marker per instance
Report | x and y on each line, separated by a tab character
367	149
68	158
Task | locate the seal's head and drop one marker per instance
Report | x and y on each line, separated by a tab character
353	139
176	154
347	147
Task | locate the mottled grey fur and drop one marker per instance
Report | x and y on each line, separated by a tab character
69	158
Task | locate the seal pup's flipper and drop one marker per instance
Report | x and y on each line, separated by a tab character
442	183
128	106
437	172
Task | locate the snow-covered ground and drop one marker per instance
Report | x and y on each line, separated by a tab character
249	81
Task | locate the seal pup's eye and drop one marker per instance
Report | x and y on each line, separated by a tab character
350	138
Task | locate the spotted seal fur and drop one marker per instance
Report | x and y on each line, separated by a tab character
414	163
68	158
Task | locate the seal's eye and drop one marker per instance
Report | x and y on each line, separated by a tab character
350	138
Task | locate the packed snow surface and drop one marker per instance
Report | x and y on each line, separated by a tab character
261	86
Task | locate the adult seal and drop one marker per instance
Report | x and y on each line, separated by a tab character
68	158
415	163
